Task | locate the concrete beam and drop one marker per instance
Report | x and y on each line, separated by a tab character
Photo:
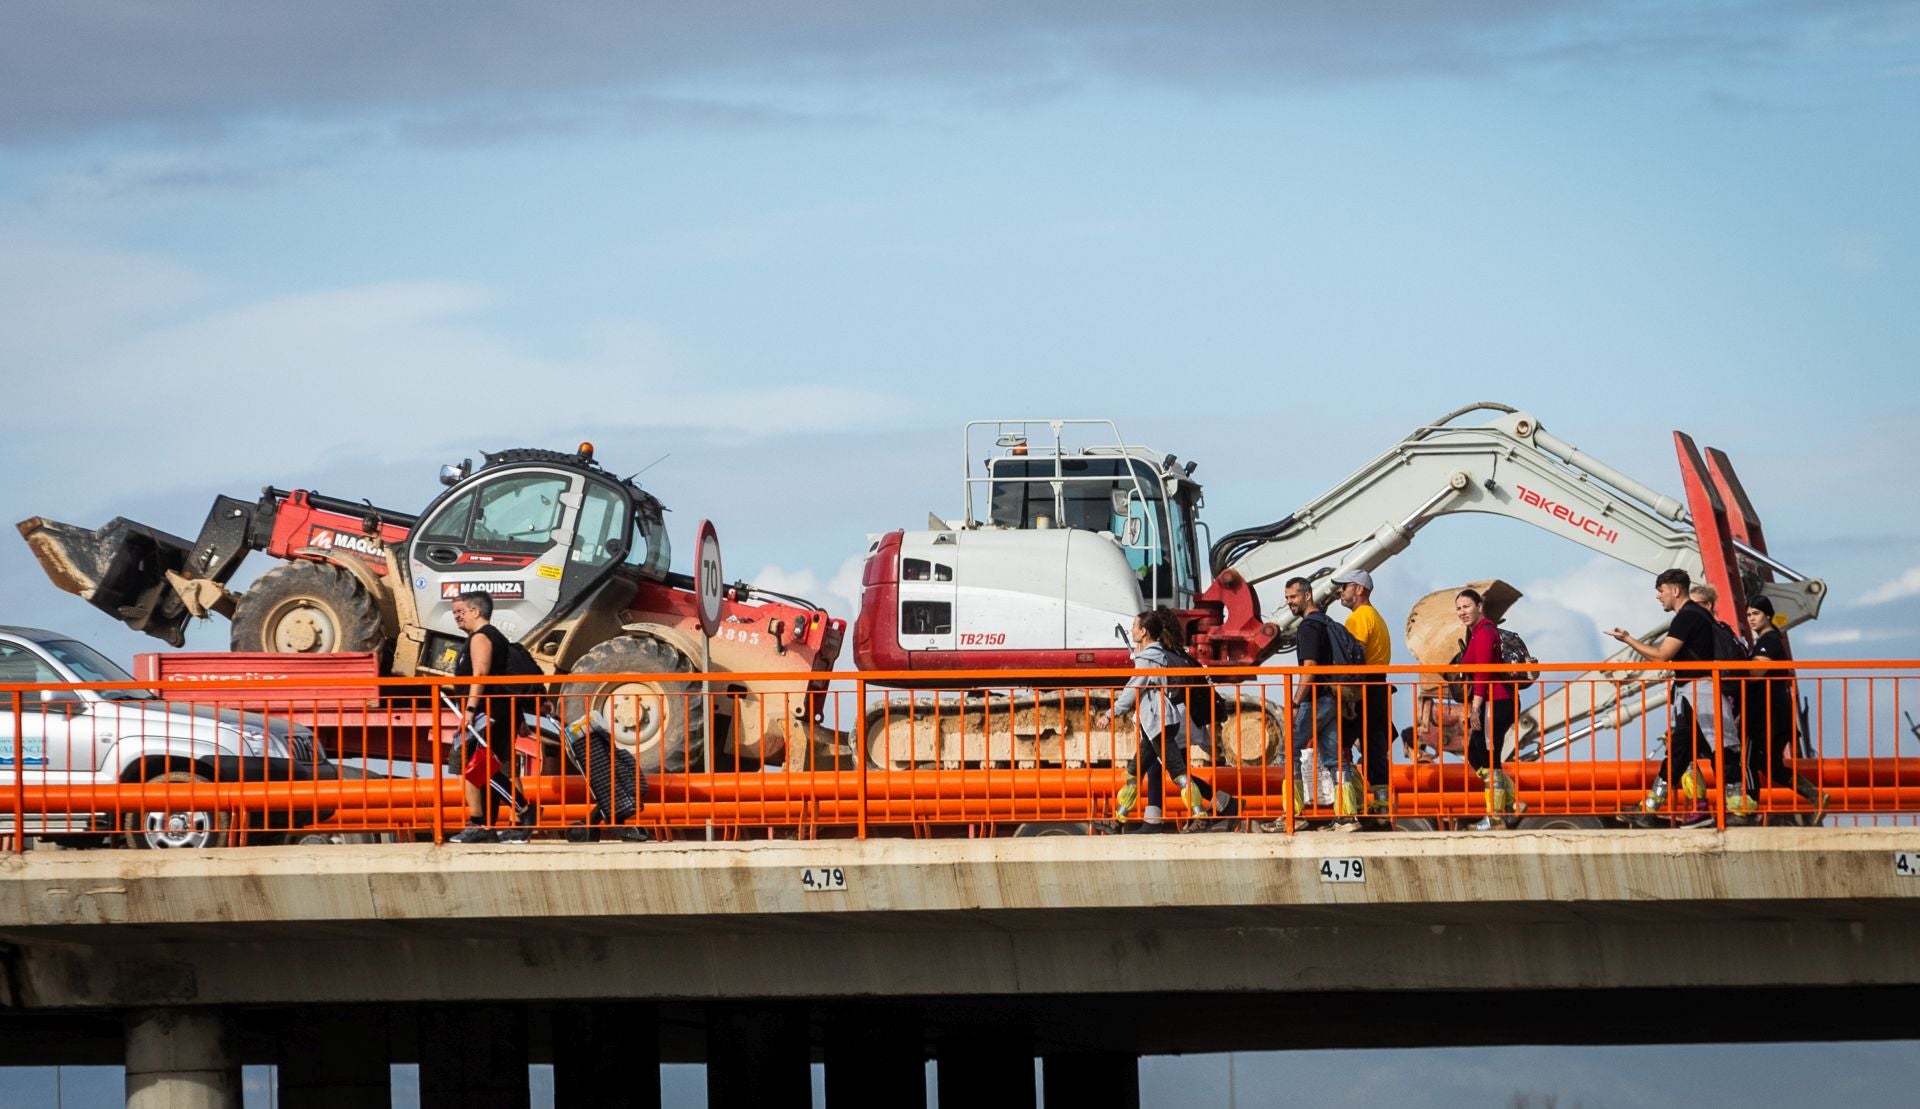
1242	913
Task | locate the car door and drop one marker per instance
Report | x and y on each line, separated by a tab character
507	534
54	726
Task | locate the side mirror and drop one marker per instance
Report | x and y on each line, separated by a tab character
450	475
69	697
1131	538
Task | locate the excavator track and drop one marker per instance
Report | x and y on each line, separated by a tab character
1036	728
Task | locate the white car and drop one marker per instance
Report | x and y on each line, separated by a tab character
100	736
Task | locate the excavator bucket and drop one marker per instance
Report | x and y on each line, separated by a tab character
120	569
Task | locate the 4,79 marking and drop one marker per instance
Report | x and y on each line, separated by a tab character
824	879
1343	870
1906	864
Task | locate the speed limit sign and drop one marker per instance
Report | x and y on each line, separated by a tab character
708	578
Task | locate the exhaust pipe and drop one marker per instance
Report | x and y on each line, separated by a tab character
120	569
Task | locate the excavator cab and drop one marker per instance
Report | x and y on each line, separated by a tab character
1140	498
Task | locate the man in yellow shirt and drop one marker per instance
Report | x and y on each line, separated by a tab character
1374	726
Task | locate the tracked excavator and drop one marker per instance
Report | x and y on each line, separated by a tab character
576	559
1068	531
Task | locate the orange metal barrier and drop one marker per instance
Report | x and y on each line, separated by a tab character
90	764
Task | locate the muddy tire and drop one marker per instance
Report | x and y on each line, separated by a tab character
656	718
161	830
307	608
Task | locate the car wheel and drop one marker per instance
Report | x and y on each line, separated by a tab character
159	829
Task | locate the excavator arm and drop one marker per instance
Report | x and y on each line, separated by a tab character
1511	466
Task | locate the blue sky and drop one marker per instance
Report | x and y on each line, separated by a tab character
794	246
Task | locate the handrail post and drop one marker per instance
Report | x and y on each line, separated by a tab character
19	776
439	771
1289	795
1720	753
858	732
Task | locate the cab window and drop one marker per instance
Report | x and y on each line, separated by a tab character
518	511
450	526
601	531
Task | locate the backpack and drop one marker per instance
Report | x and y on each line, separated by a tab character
1513	650
1347	650
1204	707
519	663
1728	646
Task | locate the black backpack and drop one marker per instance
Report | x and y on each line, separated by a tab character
1727	645
519	663
1205	707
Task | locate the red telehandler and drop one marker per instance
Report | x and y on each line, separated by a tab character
575	558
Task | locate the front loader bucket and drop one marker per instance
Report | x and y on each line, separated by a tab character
121	569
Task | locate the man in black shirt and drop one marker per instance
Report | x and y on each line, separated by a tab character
492	708
1689	638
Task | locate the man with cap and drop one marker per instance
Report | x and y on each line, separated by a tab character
1373	727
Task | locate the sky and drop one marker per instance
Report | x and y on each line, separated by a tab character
792	248
777	253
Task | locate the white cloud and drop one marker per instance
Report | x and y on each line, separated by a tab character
1829	637
1899	589
1574	610
374	370
838	592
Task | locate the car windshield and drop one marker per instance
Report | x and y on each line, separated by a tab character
89	665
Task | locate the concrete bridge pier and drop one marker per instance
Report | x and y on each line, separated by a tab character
986	1068
606	1055
473	1056
875	1055
1110	1079
334	1058
758	1057
181	1059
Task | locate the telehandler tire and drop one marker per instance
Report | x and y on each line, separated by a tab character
307	608
658	719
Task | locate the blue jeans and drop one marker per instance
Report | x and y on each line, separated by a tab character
1316	716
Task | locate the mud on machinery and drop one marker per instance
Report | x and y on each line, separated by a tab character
575	558
1070	531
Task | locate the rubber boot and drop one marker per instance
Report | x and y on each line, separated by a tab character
1499	800
1647	813
1190	795
1693	787
1741	805
1123	802
1379	805
1813	795
1348	793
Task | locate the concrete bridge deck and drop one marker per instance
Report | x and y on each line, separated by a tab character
1225	914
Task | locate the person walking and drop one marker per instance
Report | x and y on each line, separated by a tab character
1689	638
1373	726
1771	713
1161	720
493	711
1492	708
1320	756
